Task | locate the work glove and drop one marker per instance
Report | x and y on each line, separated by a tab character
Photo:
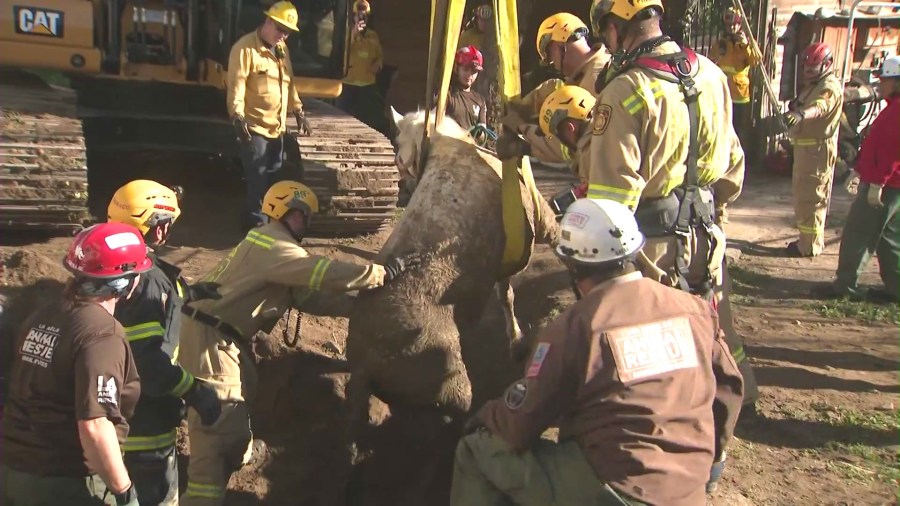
203	290
852	182
399	265
874	195
791	118
512	146
128	497
241	129
204	401
715	473
302	123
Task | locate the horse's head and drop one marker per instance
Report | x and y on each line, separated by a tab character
410	129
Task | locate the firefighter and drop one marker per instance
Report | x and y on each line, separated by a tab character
151	317
261	91
635	427
566	117
465	105
73	384
360	95
735	58
814	119
873	224
645	156
265	274
562	44
475	35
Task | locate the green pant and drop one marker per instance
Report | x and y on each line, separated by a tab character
486	473
870	230
18	488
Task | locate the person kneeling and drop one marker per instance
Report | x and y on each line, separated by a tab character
637	374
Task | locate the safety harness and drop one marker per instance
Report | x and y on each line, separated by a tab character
685	209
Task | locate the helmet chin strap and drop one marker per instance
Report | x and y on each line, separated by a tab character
575	287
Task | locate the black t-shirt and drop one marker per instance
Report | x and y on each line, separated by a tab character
467	108
72	362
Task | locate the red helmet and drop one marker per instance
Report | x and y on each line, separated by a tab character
107	251
816	60
469	55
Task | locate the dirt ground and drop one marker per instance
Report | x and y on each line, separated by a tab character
827	430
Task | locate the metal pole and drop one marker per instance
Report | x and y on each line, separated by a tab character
847	56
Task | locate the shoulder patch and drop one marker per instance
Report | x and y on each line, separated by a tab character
655	348
537	360
601	118
515	395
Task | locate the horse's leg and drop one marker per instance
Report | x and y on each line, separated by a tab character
355	419
507	298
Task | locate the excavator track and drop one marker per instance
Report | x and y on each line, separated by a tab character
351	168
43	163
44	173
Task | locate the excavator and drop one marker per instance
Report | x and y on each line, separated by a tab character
150	75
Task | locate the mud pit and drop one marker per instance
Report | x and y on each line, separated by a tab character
828	431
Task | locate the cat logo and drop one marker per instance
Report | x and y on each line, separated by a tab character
33	21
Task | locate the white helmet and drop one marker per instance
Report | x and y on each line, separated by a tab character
597	231
890	67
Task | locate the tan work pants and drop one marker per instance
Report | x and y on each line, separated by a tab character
657	261
222	448
216	452
812	174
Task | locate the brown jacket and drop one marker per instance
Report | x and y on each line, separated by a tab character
263	276
639	374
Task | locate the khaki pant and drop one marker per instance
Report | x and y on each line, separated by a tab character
18	488
216	452
657	261
487	473
812	174
222	448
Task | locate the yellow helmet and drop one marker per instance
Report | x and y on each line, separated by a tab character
362	7
285	14
285	195
143	204
561	27
625	9
568	102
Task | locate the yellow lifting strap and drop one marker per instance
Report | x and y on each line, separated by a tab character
507	31
446	20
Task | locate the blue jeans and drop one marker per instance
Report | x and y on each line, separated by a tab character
261	158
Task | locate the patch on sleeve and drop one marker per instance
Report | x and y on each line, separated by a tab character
537	360
107	392
601	118
515	395
652	349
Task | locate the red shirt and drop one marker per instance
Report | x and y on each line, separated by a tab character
879	155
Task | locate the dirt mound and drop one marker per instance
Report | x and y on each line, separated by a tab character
22	268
